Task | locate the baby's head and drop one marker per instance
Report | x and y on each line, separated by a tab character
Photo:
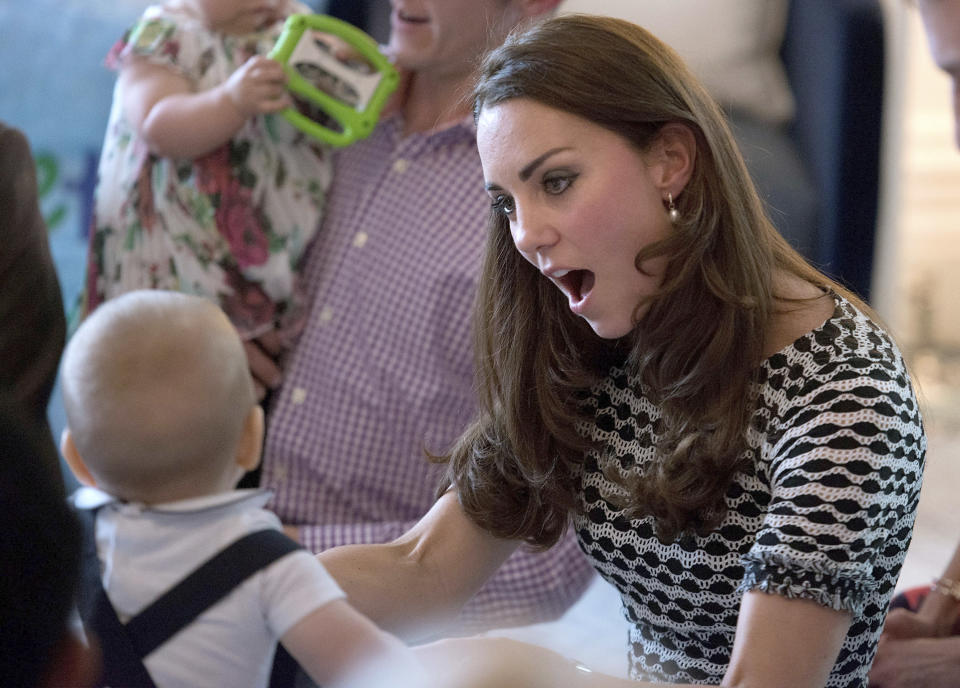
159	400
237	17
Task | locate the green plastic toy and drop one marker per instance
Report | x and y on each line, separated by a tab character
351	99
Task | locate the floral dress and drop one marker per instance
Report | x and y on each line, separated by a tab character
231	225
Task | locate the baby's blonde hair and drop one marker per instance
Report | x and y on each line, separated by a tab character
156	390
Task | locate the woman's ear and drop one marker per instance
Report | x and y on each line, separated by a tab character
672	157
74	460
251	441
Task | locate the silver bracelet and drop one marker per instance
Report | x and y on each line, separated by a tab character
947	587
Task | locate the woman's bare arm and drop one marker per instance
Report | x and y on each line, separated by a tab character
784	643
418	583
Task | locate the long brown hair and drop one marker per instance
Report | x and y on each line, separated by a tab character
699	345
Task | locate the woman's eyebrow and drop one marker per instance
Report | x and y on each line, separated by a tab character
530	168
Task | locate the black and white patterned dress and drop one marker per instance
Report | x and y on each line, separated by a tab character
826	512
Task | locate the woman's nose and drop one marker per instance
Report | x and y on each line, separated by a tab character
532	232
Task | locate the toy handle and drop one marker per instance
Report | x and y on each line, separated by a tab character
356	124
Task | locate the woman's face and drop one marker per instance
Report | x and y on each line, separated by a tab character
581	202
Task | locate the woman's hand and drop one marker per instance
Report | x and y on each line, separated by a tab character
916	663
489	662
902	624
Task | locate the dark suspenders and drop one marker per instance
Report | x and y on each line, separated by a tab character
126	645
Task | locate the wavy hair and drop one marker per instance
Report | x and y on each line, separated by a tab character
698	347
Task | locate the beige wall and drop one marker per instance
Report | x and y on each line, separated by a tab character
918	278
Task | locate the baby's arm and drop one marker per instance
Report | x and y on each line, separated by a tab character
178	122
336	641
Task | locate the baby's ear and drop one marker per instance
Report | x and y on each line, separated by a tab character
251	441
74	460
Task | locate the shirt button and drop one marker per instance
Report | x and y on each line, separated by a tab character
298	396
360	239
326	314
400	165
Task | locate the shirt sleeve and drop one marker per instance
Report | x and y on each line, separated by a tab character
844	466
295	586
160	38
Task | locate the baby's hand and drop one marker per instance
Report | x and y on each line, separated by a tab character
258	87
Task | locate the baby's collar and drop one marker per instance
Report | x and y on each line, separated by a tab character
92	498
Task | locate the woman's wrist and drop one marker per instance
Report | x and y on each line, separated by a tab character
943	604
947	587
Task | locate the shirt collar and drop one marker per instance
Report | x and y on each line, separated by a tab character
92	498
464	128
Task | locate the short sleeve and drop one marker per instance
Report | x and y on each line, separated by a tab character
844	461
167	40
293	587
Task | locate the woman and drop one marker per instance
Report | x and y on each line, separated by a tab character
734	439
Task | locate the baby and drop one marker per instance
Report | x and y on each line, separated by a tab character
201	187
162	420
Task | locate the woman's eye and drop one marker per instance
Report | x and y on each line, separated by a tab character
502	204
558	184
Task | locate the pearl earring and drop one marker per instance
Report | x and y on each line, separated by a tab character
672	211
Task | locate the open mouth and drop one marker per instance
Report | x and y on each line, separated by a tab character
576	283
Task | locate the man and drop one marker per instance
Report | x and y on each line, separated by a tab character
920	645
383	372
